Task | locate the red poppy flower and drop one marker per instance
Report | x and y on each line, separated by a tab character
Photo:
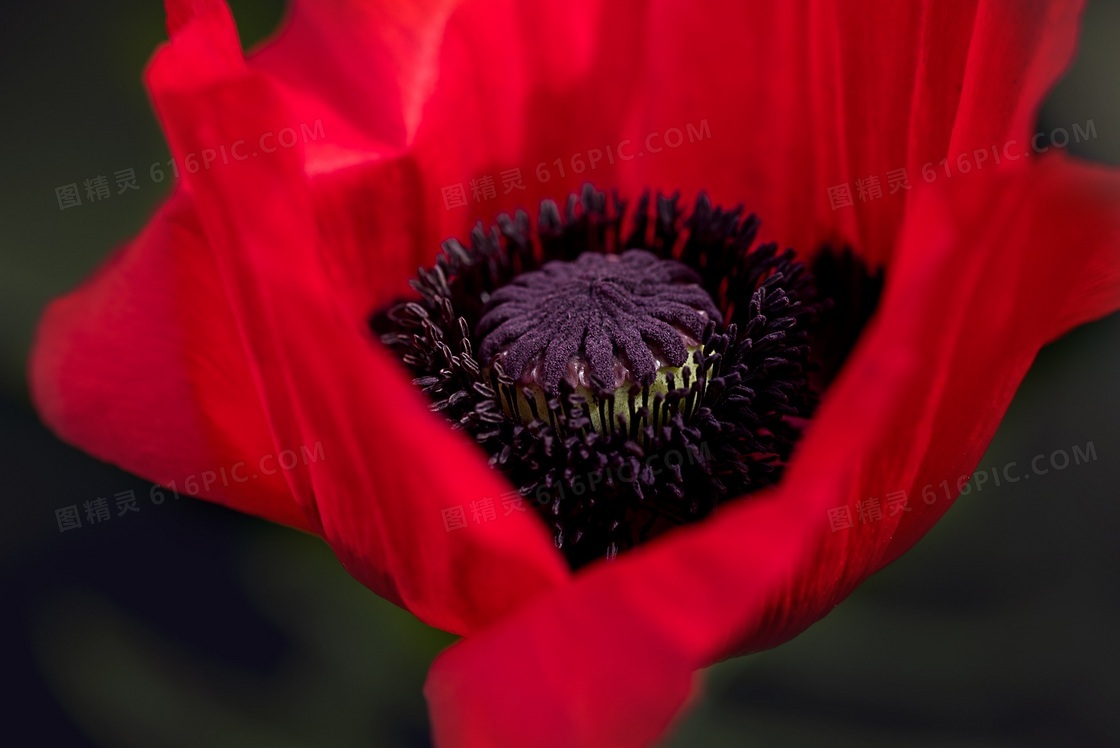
235	325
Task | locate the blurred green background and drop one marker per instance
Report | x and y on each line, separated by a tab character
185	624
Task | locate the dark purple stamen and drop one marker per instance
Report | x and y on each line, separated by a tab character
601	286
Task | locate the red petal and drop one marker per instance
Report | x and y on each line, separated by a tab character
803	97
390	466
489	81
141	366
774	103
371	65
355	76
984	276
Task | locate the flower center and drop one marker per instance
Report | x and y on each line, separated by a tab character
606	324
627	368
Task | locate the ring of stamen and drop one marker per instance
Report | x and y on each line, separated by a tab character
676	443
